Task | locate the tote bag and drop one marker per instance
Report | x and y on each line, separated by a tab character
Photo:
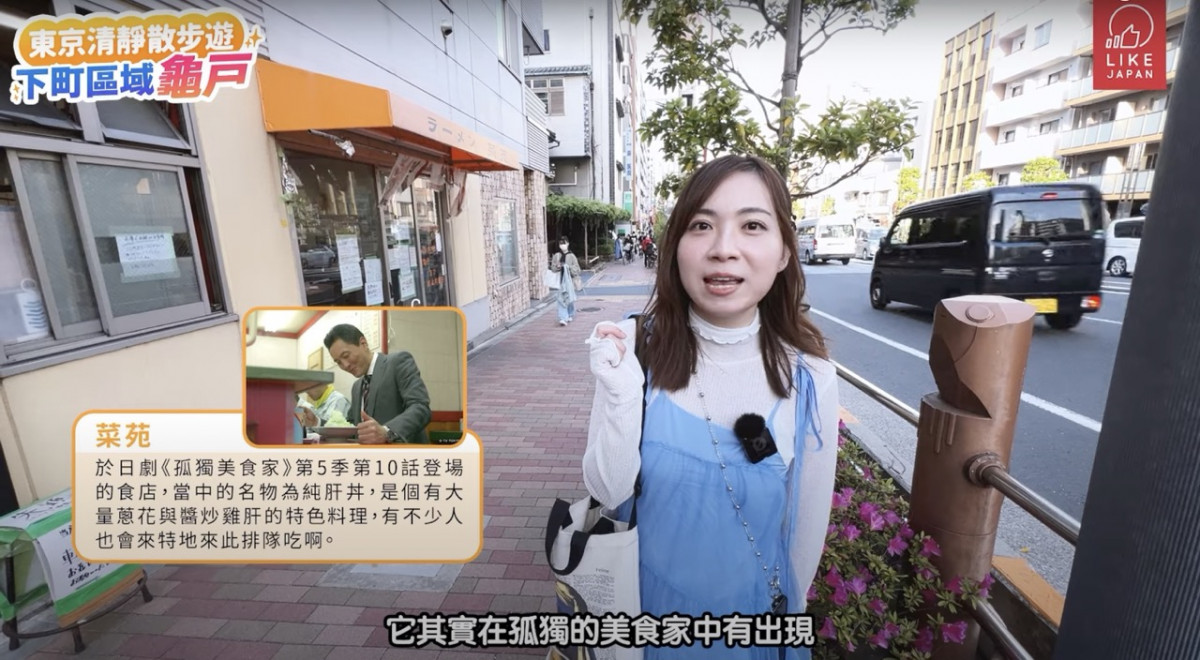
551	279
595	564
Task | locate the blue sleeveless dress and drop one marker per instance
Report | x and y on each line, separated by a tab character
695	558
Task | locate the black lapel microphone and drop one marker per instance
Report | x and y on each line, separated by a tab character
755	437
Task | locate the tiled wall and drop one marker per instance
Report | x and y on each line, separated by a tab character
510	298
536	252
435	339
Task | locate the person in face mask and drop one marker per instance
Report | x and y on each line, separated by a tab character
567	266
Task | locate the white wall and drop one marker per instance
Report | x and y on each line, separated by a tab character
569	128
398	45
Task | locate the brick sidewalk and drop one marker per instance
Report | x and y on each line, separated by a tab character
529	398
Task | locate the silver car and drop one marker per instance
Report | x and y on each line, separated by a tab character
867	242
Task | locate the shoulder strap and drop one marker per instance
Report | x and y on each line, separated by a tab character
639	346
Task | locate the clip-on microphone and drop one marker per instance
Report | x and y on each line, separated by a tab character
755	437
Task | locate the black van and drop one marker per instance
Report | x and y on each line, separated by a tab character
1043	244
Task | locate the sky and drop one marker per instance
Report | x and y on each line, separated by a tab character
856	64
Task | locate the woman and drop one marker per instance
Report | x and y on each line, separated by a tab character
569	280
727	336
324	400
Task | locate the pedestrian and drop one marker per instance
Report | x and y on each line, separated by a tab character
567	265
731	518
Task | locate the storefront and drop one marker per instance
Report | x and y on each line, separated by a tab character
343	148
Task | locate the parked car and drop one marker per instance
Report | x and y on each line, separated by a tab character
824	239
320	256
866	244
1123	238
1043	244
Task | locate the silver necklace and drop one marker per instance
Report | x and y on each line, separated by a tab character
778	598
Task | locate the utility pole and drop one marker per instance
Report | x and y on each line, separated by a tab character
791	75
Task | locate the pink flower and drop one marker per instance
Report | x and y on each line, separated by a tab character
850	647
896	546
868	474
876	522
833	578
832	530
929	595
841	499
985	585
851	532
828	630
890	517
906	531
841	440
878	606
925	573
955	586
929	547
840	597
954	633
890	629
924	641
812	593
857	585
866	509
879	639
865	574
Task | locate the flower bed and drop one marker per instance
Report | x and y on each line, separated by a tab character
877	593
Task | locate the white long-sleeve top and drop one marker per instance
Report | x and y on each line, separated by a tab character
731	360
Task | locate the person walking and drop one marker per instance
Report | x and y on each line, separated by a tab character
570	282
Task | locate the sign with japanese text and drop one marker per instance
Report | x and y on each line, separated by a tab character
1129	41
174	56
180	487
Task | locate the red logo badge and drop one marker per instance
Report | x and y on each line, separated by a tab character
1129	41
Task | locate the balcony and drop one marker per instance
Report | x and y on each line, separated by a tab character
1081	92
1117	183
1019	64
1176	11
1017	152
1039	101
1098	136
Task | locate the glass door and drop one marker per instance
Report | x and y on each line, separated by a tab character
427	206
400	236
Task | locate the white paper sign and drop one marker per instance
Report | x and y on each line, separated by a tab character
149	256
373	276
408	285
348	260
23	518
404	261
412	258
393	257
67	573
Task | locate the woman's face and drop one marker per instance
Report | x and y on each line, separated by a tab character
731	251
563	246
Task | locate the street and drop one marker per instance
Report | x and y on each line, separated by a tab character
1064	393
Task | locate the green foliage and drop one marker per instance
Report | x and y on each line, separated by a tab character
977	181
660	225
908	185
828	205
1043	169
694	41
588	212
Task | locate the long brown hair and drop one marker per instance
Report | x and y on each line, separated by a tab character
671	348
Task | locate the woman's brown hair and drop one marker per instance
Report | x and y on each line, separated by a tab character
671	348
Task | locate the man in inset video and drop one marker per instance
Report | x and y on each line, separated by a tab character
389	402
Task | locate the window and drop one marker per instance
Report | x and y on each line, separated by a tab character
1043	220
1158	103
972	131
1057	76
1016	90
925	230
1128	229
987	42
1018	44
688	100
1151	161
1002	179
103	247
900	231
1041	34
1048	127
508	36
507	252
550	91
978	90
1008	136
1101	116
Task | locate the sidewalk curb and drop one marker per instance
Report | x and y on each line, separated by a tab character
493	336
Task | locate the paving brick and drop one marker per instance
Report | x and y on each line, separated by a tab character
309	578
374	616
194	589
327	595
464	585
418	601
159	605
250	651
237	591
294	612
517	604
293	633
146	624
483	570
146	646
296	652
372	598
538	588
498	586
356	653
276	576
281	593
335	614
244	630
196	649
474	603
195	627
344	635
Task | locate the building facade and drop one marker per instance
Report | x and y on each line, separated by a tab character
383	155
958	110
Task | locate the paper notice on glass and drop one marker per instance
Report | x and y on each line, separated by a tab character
393	257
373	276
437	240
146	256
348	263
412	258
408	285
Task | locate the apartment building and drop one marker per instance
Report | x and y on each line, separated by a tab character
587	80
1033	62
1113	137
959	109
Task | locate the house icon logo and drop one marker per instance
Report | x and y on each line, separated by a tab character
1129	27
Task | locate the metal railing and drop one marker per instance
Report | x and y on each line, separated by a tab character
983	469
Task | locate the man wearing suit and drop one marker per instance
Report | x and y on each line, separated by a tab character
396	405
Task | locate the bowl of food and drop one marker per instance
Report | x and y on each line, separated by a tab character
337	427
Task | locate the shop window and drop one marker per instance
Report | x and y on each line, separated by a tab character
94	248
507	252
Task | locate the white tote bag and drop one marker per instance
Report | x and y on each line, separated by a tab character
595	564
552	279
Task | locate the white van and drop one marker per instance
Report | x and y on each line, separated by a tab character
1121	242
825	239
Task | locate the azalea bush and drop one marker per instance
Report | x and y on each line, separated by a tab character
876	586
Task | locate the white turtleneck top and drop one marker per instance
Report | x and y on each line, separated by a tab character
730	372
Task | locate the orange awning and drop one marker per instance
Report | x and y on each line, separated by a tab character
299	100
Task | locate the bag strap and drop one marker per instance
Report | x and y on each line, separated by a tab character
639	351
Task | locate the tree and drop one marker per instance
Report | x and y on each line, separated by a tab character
977	181
908	187
583	214
828	205
694	41
1043	169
